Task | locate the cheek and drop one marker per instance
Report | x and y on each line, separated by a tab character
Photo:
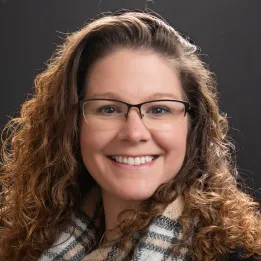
87	144
174	141
174	145
92	142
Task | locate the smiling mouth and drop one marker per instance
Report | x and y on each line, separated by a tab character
133	161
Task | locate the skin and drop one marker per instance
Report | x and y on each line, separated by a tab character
134	77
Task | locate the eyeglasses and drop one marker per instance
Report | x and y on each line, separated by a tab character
107	114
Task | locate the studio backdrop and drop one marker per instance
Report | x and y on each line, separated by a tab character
228	33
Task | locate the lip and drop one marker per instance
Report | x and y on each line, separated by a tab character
133	156
133	167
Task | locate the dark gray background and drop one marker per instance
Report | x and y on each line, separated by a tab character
228	32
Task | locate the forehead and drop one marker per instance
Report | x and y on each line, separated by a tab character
133	76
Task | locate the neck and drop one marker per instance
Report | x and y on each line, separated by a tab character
113	206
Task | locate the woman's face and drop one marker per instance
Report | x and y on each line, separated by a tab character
133	77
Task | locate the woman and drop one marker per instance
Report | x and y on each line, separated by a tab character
122	154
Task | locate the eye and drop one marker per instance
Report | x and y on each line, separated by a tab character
109	110
158	110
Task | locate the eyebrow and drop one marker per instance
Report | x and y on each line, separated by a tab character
154	96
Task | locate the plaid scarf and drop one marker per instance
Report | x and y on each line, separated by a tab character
81	241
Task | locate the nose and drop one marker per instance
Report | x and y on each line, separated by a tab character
133	129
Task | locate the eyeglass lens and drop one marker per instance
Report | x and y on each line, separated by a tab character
156	115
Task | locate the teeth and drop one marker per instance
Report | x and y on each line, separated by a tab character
132	160
142	160
137	161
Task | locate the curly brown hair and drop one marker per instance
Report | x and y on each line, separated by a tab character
42	169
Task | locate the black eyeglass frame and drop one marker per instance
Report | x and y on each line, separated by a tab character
186	104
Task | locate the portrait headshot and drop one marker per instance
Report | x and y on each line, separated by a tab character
123	151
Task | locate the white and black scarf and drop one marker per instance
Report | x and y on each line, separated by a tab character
153	244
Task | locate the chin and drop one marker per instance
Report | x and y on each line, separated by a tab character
135	193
